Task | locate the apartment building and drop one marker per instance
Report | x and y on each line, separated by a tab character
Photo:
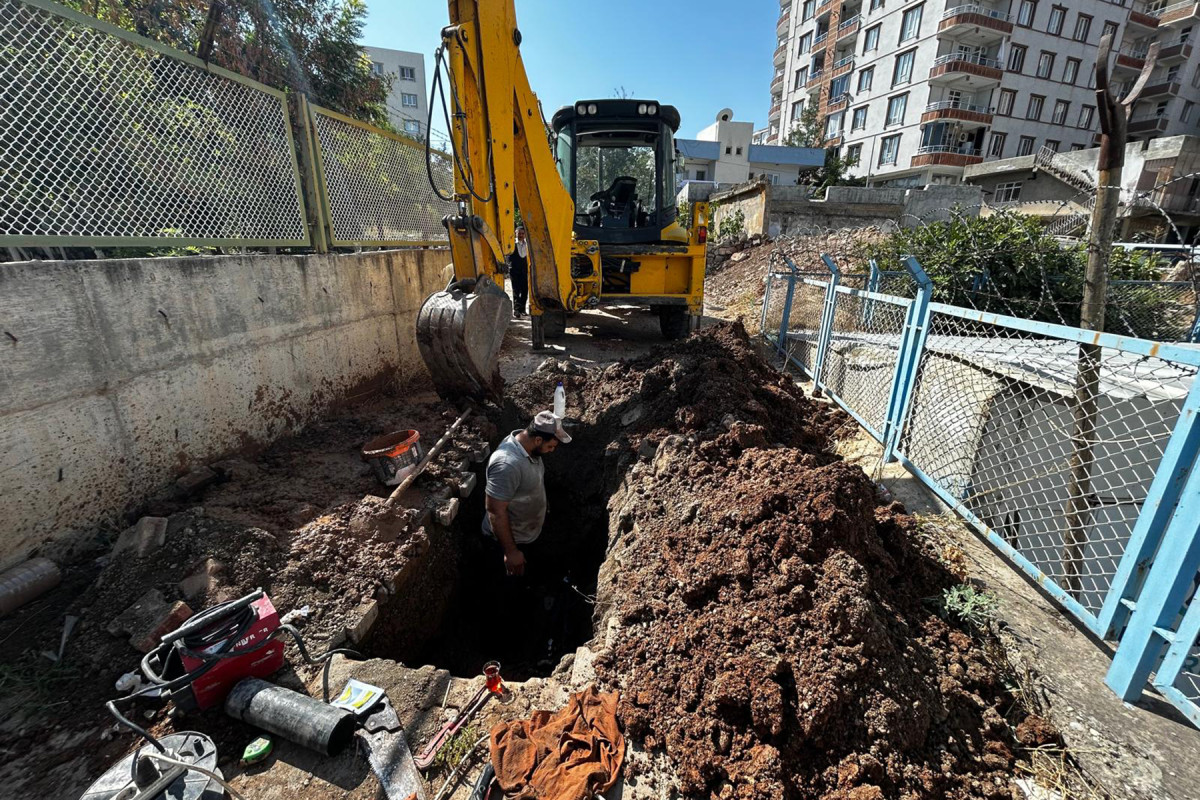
726	153
408	102
917	91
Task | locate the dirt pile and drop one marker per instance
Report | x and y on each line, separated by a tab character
778	631
733	286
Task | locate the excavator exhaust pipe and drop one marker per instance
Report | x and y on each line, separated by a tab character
460	331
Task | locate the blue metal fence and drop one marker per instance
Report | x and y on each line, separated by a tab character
1073	452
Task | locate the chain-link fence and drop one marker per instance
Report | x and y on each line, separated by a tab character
1068	449
375	187
109	139
1165	311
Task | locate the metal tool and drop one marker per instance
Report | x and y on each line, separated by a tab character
493	686
138	776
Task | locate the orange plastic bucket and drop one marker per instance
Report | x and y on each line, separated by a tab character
394	456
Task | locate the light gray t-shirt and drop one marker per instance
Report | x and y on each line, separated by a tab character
515	477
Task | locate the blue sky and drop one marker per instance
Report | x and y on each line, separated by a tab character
699	56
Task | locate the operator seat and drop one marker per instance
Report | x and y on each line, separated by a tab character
617	205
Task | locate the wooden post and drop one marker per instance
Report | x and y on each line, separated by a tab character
1114	134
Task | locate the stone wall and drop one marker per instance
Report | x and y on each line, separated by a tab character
117	376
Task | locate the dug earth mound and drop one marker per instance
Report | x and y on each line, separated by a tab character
772	623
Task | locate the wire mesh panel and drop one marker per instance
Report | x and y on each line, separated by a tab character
110	139
376	186
1164	311
993	424
864	349
774	301
804	323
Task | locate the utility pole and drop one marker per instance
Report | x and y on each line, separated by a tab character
1114	134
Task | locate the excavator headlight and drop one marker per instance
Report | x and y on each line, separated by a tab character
653	109
592	109
581	109
642	108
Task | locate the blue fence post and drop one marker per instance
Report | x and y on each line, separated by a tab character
1178	458
912	345
873	281
826	331
1161	599
787	314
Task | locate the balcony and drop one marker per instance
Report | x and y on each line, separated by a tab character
785	19
842	67
775	111
946	156
1150	125
849	28
824	7
781	55
954	66
1164	88
1179	12
1131	58
813	84
820	41
1176	51
957	110
833	140
777	84
838	103
975	18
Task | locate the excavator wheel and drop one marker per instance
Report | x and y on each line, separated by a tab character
460	331
674	321
554	323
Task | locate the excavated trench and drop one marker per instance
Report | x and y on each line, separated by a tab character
463	611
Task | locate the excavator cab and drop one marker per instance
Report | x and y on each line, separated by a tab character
617	160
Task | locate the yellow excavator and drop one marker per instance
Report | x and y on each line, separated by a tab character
596	193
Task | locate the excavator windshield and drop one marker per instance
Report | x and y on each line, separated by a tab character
618	164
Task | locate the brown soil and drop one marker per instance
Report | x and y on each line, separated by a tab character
779	627
300	521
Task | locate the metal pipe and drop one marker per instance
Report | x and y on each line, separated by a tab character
294	716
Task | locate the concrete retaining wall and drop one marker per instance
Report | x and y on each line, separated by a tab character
118	376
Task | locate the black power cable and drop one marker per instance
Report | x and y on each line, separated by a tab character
462	160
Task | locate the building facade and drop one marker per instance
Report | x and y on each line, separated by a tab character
917	91
408	103
726	153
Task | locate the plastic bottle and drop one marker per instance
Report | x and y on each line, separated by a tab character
560	401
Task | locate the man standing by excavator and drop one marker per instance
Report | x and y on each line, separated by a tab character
516	490
518	273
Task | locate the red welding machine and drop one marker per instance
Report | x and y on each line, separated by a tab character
215	649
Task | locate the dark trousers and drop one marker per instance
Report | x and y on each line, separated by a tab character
518	273
531	607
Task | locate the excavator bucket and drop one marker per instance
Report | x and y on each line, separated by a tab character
460	331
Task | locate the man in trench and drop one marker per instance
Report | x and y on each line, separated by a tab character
512	525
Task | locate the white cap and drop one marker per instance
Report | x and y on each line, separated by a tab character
545	422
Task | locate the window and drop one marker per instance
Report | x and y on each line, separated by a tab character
1161	109
859	120
854	154
412	126
910	23
408	100
865	79
1016	58
1110	29
902	73
805	43
1075	147
895	110
1007	98
996	148
1071	71
797	110
871	39
1025	13
408	73
701	174
1057	15
738	151
1053	144
1045	64
1186	115
1008	192
1086	115
1025	146
376	68
728	151
1034	111
809	8
1185	35
801	77
889	150
833	124
1082	26
876	5
1061	109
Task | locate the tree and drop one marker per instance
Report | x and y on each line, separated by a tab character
306	46
810	132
